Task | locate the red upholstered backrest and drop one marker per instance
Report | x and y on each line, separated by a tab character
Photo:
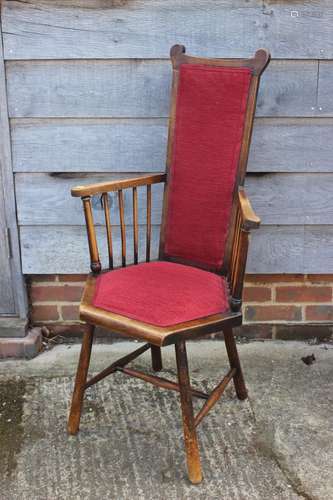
210	115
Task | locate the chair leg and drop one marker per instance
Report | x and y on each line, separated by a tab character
231	347
156	358
80	381
190	434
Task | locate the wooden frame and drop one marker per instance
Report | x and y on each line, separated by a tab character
8	204
243	220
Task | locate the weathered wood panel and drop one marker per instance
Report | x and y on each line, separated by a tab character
95	145
138	28
134	145
45	199
41	252
319	245
292	198
325	88
12	290
274	249
139	89
292	145
285	199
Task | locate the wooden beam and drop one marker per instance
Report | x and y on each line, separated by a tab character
58	29
117	364
119	89
159	381
13	292
214	396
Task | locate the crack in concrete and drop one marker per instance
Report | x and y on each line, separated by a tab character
265	443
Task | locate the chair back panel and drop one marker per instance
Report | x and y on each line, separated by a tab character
211	105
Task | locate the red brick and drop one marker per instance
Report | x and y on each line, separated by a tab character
320	278
42	277
319	313
303	332
70	313
44	313
274	278
63	293
303	294
272	313
72	277
257	294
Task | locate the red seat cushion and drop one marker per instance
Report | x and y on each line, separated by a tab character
161	293
210	115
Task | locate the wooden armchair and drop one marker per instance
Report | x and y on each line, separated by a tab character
195	287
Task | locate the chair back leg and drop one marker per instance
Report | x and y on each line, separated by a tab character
156	358
190	435
232	352
80	381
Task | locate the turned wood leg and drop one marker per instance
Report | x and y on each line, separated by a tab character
80	381
156	358
190	435
231	347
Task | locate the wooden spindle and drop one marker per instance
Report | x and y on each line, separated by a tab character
237	288
148	237
95	264
235	248
106	206
122	227
135	224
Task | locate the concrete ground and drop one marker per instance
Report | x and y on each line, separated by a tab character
276	445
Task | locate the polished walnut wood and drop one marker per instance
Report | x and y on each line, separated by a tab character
190	434
214	396
106	187
105	201
160	382
156	358
243	220
80	381
117	364
122	227
232	352
135	225
95	263
148	234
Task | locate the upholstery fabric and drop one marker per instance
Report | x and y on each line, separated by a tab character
210	115
161	293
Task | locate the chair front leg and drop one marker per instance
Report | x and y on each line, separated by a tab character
80	381
190	435
156	358
232	352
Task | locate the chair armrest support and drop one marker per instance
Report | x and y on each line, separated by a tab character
249	218
245	220
105	187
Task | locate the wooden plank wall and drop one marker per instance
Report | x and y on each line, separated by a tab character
88	97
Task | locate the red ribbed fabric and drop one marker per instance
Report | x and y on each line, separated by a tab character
161	293
210	115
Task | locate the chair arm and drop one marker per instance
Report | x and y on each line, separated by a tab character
105	187
249	218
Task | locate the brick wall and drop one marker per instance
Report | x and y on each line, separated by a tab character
275	306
